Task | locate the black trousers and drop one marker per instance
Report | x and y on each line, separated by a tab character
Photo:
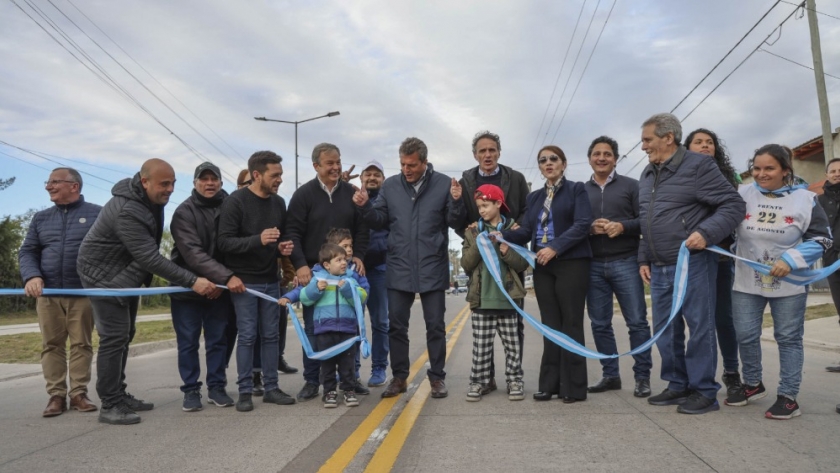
345	362
115	319
834	287
399	311
561	288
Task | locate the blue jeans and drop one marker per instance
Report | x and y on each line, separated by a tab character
727	341
377	305
311	368
189	317
257	317
788	327
691	366
619	277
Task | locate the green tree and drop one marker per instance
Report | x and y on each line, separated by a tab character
4	183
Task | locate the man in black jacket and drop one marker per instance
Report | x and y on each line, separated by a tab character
194	231
487	149
614	238
48	259
122	250
830	202
321	204
251	223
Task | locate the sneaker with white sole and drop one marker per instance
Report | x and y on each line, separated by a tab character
746	394
784	408
474	394
192	401
331	400
516	390
350	399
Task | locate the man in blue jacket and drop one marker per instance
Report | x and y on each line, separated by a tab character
683	197
48	259
418	206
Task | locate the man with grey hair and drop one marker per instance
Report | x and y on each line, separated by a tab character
321	204
418	206
487	149
683	197
48	259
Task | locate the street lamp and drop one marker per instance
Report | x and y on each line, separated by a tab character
263	119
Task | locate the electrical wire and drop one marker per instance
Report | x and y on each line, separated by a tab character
810	9
794	62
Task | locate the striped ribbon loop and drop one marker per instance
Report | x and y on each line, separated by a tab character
304	340
799	277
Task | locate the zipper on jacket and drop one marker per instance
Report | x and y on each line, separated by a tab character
61	245
650	213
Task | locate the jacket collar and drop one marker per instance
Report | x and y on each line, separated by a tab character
672	164
76	203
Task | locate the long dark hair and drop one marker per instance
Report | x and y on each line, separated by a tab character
721	155
782	156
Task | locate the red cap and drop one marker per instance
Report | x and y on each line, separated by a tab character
493	194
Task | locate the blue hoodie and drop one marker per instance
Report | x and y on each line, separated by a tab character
334	309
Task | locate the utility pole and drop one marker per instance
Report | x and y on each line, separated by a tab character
819	75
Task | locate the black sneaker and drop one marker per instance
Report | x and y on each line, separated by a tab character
360	388
135	404
669	398
331	399
784	408
746	394
219	397
698	404
284	367
244	404
350	399
192	401
258	390
732	381
276	396
118	414
308	392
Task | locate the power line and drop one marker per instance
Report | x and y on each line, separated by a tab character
50	170
156	80
725	78
794	62
816	11
580	79
34	153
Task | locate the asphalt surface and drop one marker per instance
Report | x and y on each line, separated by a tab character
611	431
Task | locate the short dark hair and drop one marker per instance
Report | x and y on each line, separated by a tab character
74	175
329	251
321	148
486	134
337	235
835	160
413	145
604	139
260	160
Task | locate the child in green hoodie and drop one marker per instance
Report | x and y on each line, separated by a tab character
491	310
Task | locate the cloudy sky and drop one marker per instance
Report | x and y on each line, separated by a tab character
439	70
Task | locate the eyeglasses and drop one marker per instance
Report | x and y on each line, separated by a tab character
544	159
56	182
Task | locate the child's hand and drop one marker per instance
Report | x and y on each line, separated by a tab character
341	282
283	302
503	248
322	285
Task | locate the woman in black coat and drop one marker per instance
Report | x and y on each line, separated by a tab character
556	223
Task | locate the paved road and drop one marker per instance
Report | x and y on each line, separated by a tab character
609	432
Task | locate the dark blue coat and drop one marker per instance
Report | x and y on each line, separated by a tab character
52	244
377	250
685	194
571	215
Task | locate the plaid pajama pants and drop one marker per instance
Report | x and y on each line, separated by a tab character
484	329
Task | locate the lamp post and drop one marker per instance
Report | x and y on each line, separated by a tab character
263	119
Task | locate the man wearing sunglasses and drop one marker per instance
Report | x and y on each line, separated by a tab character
48	259
487	149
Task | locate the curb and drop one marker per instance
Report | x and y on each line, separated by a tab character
826	346
133	350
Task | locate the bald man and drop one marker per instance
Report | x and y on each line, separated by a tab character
122	250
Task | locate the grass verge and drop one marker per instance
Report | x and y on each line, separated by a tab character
30	317
811	312
26	347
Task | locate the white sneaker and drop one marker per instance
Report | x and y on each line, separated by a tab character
474	394
516	390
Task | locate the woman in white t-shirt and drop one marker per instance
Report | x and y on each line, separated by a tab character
784	228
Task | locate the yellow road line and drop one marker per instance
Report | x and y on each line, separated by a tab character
387	453
348	450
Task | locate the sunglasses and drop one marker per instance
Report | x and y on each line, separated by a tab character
544	159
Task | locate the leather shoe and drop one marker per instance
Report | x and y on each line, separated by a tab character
439	389
833	369
605	384
541	396
284	367
81	403
56	406
571	400
395	387
642	388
